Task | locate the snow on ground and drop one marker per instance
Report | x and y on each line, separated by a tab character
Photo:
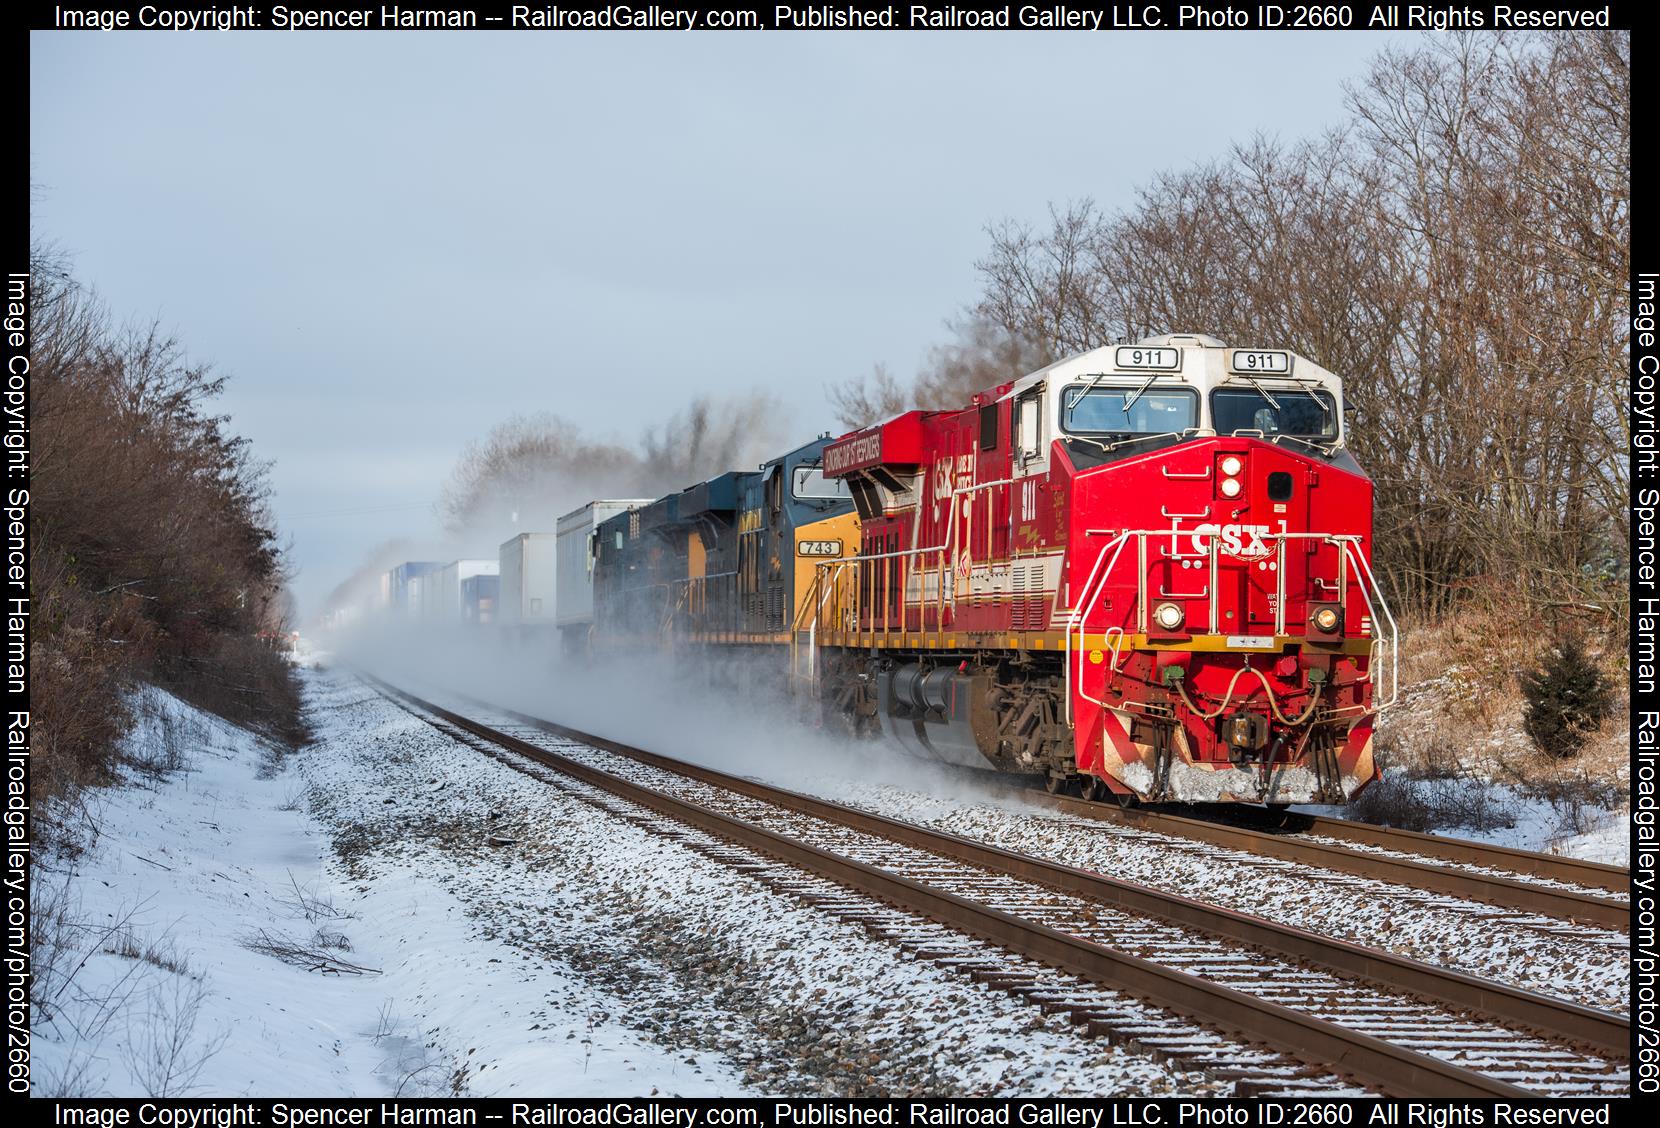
1528	952
1610	842
385	989
764	994
1536	823
391	912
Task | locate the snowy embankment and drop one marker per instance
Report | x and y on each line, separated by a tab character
1523	821
210	946
390	912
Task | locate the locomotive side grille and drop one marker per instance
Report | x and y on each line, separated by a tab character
1026	613
775	607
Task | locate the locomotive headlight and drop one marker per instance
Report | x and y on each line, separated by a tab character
1232	465
1169	615
1231	487
1325	619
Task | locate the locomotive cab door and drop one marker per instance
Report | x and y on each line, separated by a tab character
1030	433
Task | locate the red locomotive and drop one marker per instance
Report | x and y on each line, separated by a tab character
1143	571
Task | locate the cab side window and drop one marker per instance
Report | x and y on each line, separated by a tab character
988	427
1028	427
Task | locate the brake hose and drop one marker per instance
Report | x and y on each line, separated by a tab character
1179	676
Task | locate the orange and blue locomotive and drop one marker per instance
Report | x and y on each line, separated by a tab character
724	565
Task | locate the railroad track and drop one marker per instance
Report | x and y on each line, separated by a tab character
1550	867
1563	888
1170	973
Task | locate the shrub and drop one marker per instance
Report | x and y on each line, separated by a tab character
1567	697
156	555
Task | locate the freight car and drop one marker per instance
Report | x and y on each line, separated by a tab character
444	598
526	566
1142	572
479	596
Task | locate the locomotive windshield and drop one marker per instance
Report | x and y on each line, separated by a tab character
1275	411
1120	411
811	484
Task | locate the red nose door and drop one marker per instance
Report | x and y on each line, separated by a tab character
1276	501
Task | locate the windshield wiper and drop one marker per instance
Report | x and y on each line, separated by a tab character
1088	388
1261	391
1309	389
1130	402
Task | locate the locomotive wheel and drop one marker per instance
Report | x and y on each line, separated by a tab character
1091	787
1054	784
1125	801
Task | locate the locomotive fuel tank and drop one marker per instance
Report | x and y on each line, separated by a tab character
931	712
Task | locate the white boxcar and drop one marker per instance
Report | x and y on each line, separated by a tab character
405	587
576	558
441	594
527	581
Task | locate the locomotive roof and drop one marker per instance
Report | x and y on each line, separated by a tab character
807	451
1104	359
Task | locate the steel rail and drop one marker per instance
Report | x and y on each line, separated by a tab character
1506	892
1578	871
1391	1069
1556	867
1608	1034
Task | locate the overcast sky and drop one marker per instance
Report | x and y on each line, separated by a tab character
391	242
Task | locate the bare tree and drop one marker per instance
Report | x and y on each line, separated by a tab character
532	469
866	399
1458	251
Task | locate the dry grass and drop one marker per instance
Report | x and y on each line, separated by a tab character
1457	732
316	953
1462	704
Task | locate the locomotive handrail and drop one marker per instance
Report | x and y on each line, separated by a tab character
944	560
1348	545
1097	580
1384	649
812	599
1363	569
1279	587
687	585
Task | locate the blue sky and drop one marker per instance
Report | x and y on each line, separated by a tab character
391	242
